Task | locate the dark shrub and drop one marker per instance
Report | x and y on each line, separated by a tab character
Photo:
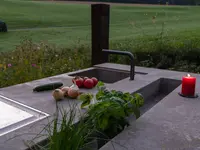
3	27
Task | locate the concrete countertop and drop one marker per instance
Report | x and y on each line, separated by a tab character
42	101
172	123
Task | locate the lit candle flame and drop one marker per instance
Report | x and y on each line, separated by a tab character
188	75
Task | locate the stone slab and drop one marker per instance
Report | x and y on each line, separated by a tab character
172	123
11	115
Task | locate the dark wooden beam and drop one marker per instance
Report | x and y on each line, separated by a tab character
100	17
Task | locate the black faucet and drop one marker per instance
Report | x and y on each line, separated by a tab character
132	70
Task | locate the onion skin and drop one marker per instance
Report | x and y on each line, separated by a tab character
58	94
73	93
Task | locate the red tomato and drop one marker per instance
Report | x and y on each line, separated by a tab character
94	80
85	78
88	83
79	82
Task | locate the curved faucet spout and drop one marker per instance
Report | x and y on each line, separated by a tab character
126	53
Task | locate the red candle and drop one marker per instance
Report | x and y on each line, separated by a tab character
188	85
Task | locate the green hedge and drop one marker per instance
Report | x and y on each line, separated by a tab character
32	61
182	54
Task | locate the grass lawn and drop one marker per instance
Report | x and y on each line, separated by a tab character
66	24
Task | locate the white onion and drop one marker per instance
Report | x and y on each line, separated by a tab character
58	94
73	91
65	90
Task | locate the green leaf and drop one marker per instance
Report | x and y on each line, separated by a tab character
113	91
117	99
139	99
127	96
100	83
102	88
115	109
85	103
112	108
103	122
119	93
132	108
99	95
85	96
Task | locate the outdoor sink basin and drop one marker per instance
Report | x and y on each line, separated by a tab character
105	75
15	115
156	91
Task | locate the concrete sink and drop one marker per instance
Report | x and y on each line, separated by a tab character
156	91
153	93
105	75
15	115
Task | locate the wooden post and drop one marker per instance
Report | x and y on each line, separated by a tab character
100	16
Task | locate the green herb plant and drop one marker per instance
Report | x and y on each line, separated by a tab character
63	133
110	111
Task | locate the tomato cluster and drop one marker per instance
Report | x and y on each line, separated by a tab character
85	82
